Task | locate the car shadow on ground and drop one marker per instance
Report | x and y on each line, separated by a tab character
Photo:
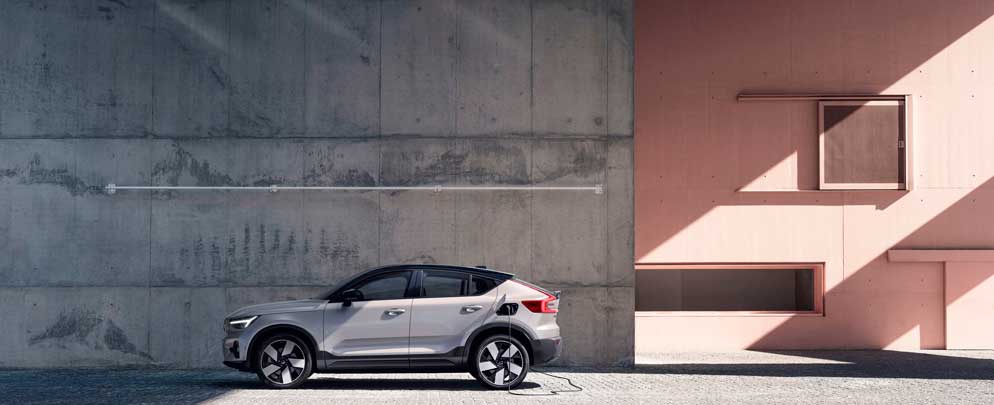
371	384
855	363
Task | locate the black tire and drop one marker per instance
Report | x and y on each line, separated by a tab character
286	365
508	362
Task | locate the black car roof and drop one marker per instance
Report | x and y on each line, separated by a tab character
465	269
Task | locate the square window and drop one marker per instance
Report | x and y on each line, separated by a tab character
863	145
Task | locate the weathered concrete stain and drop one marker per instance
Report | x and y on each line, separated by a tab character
261	251
348	178
246	250
75	325
476	163
260	123
182	161
107	12
36	173
86	327
492	162
116	339
120	3
217	265
291	242
263	254
585	162
219	75
341	249
328	165
230	270
421	259
622	18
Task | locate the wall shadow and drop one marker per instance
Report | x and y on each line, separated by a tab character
955	226
859	363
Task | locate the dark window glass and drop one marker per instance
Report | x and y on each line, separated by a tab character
440	284
725	290
390	286
863	143
481	285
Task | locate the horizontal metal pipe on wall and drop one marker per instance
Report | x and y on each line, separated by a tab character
597	189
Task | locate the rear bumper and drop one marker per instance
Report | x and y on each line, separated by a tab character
546	350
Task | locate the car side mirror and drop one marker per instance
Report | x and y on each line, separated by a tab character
350	295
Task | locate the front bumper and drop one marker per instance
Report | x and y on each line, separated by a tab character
546	350
235	355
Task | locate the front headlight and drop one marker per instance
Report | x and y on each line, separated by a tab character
240	323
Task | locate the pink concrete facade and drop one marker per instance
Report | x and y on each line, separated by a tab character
722	181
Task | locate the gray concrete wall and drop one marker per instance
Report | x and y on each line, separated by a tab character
302	92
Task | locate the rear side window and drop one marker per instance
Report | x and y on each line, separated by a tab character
441	284
481	285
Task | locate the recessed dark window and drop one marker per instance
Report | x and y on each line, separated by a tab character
753	288
863	144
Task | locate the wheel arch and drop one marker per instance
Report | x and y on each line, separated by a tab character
273	330
498	328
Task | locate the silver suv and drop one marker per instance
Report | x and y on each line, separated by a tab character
426	318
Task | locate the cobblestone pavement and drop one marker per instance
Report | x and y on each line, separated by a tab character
742	377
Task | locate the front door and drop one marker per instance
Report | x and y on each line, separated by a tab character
373	331
450	305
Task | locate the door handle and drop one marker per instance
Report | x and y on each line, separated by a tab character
395	311
472	308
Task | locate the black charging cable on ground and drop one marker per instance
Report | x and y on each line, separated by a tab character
576	388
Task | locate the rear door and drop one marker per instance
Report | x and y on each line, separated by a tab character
448	307
372	332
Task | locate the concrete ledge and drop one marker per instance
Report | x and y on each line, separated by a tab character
940	255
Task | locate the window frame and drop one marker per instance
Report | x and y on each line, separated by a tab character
904	157
469	275
819	288
423	274
337	296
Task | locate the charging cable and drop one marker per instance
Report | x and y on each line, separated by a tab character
576	388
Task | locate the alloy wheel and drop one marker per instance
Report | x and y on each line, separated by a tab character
501	362
283	361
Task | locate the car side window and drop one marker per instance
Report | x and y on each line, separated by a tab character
481	285
441	284
390	286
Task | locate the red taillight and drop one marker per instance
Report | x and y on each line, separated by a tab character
548	305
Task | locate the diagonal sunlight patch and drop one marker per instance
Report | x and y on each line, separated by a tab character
781	176
196	24
326	22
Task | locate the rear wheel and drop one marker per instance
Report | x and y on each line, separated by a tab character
283	361
500	362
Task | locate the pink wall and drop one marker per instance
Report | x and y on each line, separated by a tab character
723	181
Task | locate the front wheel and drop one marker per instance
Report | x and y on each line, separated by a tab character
500	362
283	361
